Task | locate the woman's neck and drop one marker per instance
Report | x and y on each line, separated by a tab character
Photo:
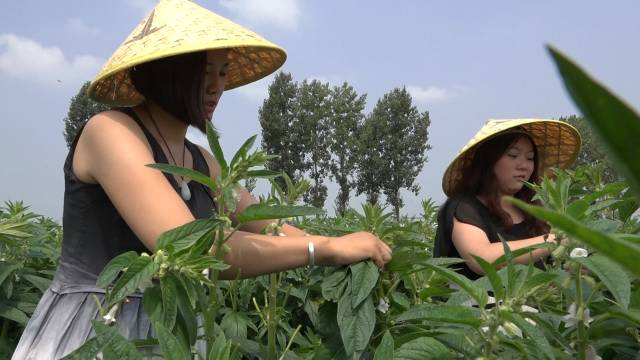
172	129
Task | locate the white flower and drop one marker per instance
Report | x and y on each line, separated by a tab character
383	305
205	272
578	253
591	353
510	329
527	308
572	318
110	318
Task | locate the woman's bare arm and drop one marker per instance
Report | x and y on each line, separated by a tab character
113	152
471	240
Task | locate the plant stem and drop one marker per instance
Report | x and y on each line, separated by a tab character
582	331
273	323
295	332
5	329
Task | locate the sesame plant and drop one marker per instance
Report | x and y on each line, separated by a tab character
29	251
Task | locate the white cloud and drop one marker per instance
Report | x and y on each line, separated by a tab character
282	13
77	26
24	58
433	94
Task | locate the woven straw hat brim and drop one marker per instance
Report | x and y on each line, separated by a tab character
177	27
557	142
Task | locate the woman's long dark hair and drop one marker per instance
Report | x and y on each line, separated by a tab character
479	178
176	84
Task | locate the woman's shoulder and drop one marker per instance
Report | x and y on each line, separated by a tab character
113	127
467	209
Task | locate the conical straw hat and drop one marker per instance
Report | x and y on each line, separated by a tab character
558	145
177	27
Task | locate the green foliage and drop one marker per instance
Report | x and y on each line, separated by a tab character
395	137
607	115
279	127
592	151
313	110
29	251
81	109
346	119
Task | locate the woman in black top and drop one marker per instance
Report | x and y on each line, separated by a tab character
494	165
169	73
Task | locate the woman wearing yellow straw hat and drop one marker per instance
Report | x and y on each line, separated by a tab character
169	73
496	163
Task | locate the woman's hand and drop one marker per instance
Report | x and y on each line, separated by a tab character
352	248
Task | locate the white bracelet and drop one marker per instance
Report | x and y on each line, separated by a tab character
312	255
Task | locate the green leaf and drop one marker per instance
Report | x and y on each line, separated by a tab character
405	260
235	325
107	340
171	347
364	276
333	285
519	252
455	314
617	124
272	212
578	209
622	252
356	325
243	150
194	175
530	331
423	348
141	270
265	174
221	348
492	275
203	244
186	235
169	301
39	282
216	149
114	267
401	299
186	313
611	275
7	269
89	350
13	314
536	280
385	349
479	295
152	303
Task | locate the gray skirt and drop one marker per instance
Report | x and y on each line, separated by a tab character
61	322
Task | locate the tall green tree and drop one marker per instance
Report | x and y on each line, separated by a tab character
403	145
592	151
80	110
346	119
279	130
370	161
314	130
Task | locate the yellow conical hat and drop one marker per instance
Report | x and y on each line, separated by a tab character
558	145
177	27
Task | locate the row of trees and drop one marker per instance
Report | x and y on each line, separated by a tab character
322	133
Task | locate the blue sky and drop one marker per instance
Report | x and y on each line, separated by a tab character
463	61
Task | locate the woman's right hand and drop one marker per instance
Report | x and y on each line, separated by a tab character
351	248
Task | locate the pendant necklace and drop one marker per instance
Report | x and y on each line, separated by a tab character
185	192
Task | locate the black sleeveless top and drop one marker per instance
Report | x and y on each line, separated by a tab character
470	210
94	231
